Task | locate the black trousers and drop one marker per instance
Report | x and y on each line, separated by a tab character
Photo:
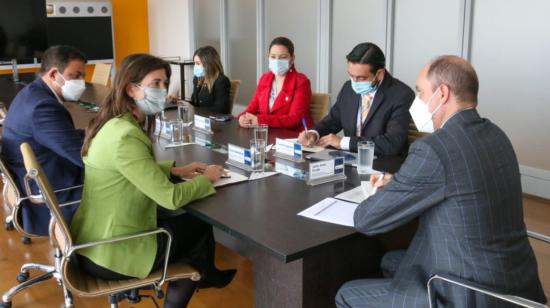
192	242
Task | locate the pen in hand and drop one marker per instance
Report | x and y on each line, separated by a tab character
380	177
304	124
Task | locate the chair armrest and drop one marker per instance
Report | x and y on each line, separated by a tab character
68	188
538	236
520	301
129	237
38	199
69	203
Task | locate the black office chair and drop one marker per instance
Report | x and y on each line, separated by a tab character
520	301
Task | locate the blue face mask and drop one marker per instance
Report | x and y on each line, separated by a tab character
198	71
279	66
363	87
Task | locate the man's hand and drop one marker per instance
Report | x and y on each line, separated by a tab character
377	183
307	138
330	140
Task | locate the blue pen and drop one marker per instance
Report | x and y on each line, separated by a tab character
304	124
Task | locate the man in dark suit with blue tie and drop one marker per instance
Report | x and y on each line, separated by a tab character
37	116
463	184
372	105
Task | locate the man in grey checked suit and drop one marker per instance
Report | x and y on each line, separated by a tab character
463	184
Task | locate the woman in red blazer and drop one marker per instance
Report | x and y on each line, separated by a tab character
283	95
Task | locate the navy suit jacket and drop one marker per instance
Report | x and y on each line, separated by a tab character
463	183
387	122
36	116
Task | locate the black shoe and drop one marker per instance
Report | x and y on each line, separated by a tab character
217	279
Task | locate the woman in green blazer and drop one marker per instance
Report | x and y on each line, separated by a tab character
124	185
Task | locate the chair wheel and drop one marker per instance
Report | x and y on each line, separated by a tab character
26	240
8	226
22	277
5	305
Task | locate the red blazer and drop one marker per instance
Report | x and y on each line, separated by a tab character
289	107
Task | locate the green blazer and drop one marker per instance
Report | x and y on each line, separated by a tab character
123	184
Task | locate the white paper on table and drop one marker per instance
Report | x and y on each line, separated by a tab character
333	211
314	149
357	194
268	148
261	175
172	145
234	178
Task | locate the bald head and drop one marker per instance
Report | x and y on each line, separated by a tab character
458	74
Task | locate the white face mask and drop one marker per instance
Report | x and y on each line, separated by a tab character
72	89
421	115
153	101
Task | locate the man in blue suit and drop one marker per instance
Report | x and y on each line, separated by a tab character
372	105
37	116
463	183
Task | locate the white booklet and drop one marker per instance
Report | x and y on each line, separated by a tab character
333	211
313	149
357	194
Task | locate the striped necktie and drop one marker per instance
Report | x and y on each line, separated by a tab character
365	107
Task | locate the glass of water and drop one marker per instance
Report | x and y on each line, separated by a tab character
365	157
261	132
177	131
257	149
184	114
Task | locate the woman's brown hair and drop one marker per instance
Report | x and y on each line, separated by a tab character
212	64
118	103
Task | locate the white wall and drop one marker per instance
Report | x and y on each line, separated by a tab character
354	22
506	41
169	30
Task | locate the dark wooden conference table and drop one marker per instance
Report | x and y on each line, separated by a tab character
297	262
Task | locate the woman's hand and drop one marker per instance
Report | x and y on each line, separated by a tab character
189	171
244	121
172	99
214	172
248	120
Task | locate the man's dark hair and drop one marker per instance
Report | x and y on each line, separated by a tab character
283	41
59	56
367	53
458	74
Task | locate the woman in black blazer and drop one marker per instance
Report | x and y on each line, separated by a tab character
210	85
